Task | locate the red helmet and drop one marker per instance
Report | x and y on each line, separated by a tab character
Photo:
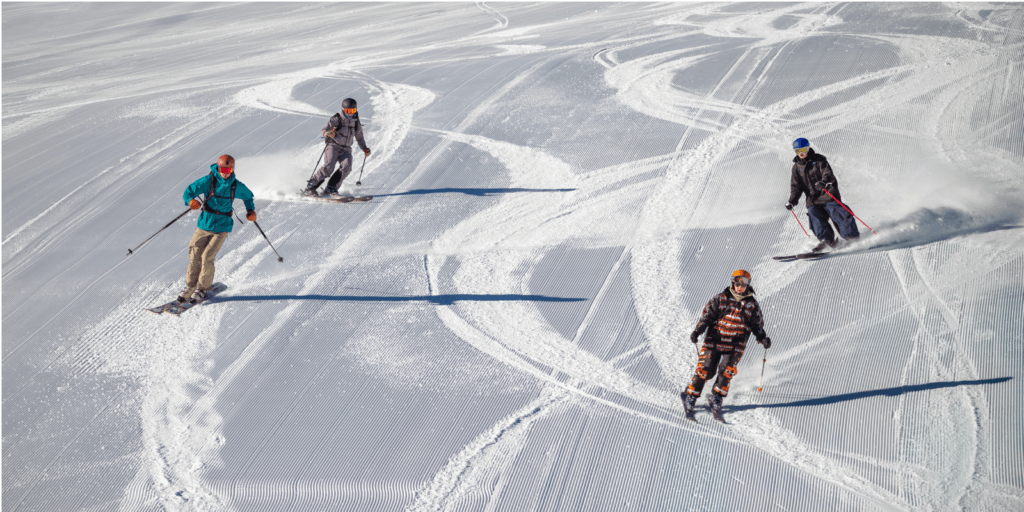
226	161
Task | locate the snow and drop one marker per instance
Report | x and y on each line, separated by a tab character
559	189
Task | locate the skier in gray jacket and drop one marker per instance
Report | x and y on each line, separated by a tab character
341	130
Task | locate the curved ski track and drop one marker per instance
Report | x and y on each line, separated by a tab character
505	326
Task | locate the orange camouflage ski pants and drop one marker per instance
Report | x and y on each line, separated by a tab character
712	361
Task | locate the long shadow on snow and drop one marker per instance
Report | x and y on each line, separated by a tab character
481	192
440	300
896	391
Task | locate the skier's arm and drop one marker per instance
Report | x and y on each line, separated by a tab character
242	192
828	179
795	187
200	186
331	129
708	317
359	136
756	322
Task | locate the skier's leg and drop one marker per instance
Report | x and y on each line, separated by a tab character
727	369
818	217
705	369
331	154
215	241
345	165
332	184
196	246
843	220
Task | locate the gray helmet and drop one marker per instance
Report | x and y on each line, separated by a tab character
348	103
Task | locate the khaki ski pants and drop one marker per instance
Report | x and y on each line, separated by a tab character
201	251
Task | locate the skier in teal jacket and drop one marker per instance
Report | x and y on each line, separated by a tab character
220	189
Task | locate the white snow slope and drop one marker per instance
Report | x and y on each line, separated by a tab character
559	189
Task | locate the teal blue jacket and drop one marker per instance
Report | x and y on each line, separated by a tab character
221	200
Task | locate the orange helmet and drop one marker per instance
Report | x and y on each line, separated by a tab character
226	161
741	276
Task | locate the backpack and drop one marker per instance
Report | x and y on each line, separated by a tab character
213	185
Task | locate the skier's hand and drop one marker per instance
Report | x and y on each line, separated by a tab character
251	215
366	151
330	134
767	342
819	186
695	337
789	206
195	204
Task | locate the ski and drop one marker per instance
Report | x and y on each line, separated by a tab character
176	308
340	199
802	256
813	255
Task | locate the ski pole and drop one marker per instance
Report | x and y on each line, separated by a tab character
798	222
131	251
847	209
279	258
359	181
321	157
763	361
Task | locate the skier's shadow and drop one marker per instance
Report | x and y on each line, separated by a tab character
440	300
896	391
479	192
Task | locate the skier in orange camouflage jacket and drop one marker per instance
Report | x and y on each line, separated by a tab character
729	318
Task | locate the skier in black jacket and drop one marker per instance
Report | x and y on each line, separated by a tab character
729	318
812	175
341	131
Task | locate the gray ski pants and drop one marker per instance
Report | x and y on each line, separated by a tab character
333	154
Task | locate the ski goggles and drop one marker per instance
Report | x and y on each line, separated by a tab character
745	281
801	150
349	111
225	170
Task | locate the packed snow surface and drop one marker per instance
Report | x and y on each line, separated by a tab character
558	190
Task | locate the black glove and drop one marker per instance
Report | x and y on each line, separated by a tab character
767	342
695	337
819	186
789	206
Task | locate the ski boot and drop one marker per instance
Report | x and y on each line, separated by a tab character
310	190
822	245
197	296
715	406
183	296
689	402
333	193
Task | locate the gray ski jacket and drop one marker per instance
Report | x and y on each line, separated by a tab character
345	130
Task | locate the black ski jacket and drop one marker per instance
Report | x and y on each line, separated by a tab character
729	322
807	172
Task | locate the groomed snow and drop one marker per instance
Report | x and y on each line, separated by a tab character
559	189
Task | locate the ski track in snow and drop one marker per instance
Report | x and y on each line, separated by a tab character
658	212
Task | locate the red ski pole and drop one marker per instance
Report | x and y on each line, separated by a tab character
847	209
798	222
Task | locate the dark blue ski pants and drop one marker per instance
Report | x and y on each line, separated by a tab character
819	215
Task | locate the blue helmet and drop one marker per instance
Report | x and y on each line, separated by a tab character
801	143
